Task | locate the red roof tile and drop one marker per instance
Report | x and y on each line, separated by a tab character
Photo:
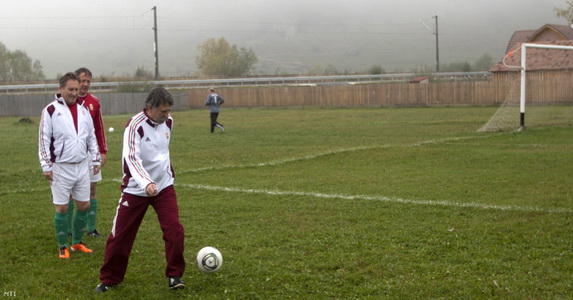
546	33
563	31
539	59
519	37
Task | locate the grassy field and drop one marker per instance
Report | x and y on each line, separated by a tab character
398	203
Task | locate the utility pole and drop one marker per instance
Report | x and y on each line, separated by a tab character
155	43
437	46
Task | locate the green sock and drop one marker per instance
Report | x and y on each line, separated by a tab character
92	212
71	215
80	218
61	226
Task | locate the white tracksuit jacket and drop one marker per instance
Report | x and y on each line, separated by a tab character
145	155
58	140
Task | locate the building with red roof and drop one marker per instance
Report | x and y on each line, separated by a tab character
538	59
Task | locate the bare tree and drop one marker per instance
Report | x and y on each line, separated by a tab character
566	13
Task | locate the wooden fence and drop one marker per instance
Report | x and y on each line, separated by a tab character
542	88
111	103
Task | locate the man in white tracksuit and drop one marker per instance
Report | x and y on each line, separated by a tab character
66	131
148	180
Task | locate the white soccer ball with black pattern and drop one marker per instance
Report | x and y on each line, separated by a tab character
209	260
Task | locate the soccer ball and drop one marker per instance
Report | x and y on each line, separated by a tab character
111	129
209	260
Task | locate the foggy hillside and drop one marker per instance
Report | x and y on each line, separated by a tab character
289	37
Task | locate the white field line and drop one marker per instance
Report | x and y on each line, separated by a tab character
352	197
338	151
376	198
363	197
346	197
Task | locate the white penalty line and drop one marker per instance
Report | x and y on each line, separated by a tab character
376	198
348	197
353	149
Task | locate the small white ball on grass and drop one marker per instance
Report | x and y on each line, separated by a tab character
209	260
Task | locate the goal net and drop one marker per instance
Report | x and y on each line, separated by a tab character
506	117
540	75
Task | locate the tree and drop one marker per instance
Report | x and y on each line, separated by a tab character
17	66
376	70
456	67
218	58
484	63
566	13
142	74
330	70
316	70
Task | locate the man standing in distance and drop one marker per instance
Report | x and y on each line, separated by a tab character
92	104
148	179
66	131
214	101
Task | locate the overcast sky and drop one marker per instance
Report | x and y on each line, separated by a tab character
113	37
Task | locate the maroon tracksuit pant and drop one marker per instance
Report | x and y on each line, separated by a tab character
130	213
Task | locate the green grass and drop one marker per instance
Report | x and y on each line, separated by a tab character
399	203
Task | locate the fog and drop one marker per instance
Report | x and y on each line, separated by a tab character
289	37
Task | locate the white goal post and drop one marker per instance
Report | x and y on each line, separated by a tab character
524	47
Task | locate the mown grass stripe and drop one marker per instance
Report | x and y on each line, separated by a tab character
337	151
376	198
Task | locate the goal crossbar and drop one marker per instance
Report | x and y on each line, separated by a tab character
524	46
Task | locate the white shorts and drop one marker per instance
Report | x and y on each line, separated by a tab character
70	179
96	177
